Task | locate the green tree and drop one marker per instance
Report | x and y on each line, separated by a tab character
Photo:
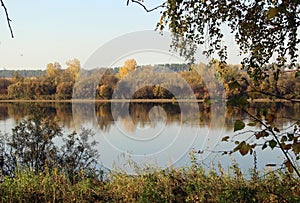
262	29
31	146
32	140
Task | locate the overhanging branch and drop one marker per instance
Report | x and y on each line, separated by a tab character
144	7
7	18
276	138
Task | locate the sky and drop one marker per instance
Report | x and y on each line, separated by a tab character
49	31
57	31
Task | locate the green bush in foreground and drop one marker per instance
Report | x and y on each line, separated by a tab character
190	184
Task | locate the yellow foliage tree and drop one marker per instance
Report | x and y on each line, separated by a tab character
72	70
129	65
53	72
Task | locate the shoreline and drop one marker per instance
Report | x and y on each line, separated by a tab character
135	101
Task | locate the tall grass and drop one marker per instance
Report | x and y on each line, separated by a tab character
189	184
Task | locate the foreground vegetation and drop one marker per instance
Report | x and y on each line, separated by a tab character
190	184
34	169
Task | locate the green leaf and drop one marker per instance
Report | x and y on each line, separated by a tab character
225	139
297	74
290	136
272	143
243	148
238	147
239	125
252	124
264	146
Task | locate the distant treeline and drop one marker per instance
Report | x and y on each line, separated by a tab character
37	73
163	81
21	73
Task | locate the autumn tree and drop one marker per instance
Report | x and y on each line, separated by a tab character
4	83
107	84
53	72
195	82
64	90
129	65
72	70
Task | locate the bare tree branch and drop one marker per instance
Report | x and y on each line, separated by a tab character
144	7
7	18
278	96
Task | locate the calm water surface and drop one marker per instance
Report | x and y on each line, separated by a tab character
161	134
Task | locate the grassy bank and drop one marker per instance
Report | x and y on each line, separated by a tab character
192	184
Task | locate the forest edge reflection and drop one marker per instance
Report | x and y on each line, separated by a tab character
139	112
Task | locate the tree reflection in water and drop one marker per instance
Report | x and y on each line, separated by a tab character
101	114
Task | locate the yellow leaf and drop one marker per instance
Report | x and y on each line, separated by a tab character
272	12
289	166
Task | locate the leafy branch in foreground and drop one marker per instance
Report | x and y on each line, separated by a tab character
266	135
262	29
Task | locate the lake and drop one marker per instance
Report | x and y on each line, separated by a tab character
160	134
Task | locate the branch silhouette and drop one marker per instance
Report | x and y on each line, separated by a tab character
144	7
276	138
7	18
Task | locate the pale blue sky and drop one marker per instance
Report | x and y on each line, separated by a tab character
59	30
56	30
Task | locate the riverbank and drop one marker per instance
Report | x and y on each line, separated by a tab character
136	100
